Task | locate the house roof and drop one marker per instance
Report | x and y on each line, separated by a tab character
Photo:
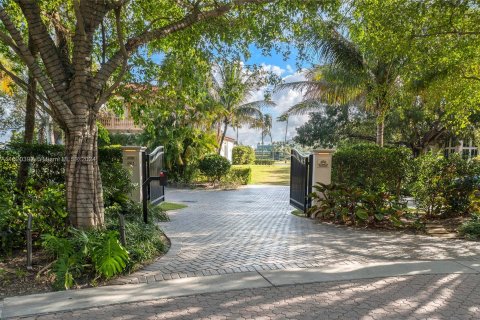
229	139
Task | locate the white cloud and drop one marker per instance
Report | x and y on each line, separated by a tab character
274	69
290	69
284	101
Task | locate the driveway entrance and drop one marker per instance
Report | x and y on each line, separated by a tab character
252	229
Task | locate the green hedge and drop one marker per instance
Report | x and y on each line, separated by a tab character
243	155
214	167
446	186
48	164
372	168
240	175
264	162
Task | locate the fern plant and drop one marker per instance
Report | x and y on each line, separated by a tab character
57	247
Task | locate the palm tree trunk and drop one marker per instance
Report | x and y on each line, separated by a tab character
225	127
380	130
237	135
285	144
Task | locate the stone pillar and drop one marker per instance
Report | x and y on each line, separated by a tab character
322	166
132	161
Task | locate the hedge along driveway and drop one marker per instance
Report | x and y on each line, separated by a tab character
278	174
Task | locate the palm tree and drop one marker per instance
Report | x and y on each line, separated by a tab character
233	85
284	118
267	127
349	77
264	123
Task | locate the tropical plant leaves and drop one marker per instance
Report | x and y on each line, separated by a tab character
109	257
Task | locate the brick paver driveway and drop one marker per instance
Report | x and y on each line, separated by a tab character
252	229
409	297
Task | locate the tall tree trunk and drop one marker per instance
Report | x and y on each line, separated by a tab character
31	105
380	129
263	147
225	127
42	132
285	144
83	180
51	131
237	135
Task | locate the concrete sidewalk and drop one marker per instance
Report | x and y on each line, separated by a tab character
48	303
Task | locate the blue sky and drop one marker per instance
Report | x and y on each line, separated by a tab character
274	58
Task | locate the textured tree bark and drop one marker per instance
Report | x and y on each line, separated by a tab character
30	110
380	131
83	180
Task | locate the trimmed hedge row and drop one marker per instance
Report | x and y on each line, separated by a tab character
265	162
242	175
372	168
47	161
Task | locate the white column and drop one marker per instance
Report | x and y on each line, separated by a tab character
132	161
322	166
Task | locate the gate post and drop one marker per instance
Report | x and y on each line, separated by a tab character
322	166
132	161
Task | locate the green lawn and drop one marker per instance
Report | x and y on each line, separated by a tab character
167	206
278	174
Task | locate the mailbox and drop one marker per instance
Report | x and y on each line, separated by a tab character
163	178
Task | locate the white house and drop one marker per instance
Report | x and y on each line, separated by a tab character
227	148
466	148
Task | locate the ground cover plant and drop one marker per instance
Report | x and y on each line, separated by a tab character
66	257
355	206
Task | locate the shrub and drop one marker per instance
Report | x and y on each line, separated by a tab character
242	176
214	167
88	255
265	162
243	155
110	154
116	182
353	205
8	168
372	168
471	229
73	255
47	163
46	205
445	186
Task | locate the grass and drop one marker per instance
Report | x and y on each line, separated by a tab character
298	213
167	206
277	174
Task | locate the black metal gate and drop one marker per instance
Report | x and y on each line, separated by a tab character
300	180
153	176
